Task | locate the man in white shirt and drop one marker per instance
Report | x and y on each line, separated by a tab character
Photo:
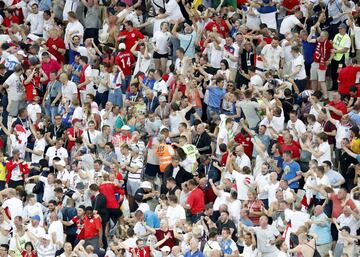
57	151
68	90
15	90
289	23
273	55
12	204
160	86
295	125
36	20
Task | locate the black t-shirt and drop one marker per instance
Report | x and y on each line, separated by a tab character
229	224
56	131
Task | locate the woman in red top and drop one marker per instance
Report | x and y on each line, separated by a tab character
29	250
73	133
255	207
32	83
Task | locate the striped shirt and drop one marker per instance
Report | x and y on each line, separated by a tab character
46	251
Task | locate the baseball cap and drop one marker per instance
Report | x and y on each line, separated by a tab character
36	217
162	99
122	46
165	249
21	52
342	26
146	184
125	127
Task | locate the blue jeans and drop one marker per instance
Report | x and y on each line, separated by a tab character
210	110
51	111
198	112
115	97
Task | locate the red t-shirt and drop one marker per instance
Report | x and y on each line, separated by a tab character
125	61
290	4
59	43
131	37
109	190
246	142
80	227
341	106
196	200
92	226
30	89
224	158
70	131
221	28
347	78
50	66
294	147
160	236
337	207
9	21
145	252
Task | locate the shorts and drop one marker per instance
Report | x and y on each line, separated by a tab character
156	55
14	106
151	170
132	186
316	74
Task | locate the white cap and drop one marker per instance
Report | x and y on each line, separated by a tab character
122	46
165	249
146	184
144	207
21	52
162	99
125	127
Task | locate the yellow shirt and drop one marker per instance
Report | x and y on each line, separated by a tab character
2	171
355	145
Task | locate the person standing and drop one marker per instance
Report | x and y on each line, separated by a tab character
341	44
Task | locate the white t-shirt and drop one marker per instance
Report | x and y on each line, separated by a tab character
161	41
33	110
325	149
38	146
175	214
262	181
349	221
69	90
75	27
57	228
341	133
16	89
299	127
299	61
253	21
242	184
215	55
160	86
173	10
297	219
49	193
15	207
52	152
36	22
272	56
288	24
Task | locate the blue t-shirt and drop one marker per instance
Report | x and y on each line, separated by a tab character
195	254
308	51
151	219
290	172
215	96
323	231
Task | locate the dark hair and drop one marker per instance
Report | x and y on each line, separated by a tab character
328	163
85	59
181	153
225	62
28	244
94	187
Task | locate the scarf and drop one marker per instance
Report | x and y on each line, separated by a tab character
321	54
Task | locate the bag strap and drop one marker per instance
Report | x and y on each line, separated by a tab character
189	44
88	135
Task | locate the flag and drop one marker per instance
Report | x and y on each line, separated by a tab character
286	234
